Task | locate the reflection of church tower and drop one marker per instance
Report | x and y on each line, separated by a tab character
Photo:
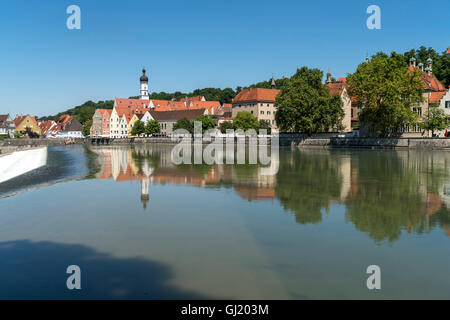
144	192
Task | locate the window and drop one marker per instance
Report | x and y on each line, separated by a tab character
262	112
447	104
268	112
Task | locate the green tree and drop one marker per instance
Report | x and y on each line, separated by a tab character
435	119
207	122
184	123
226	125
152	127
138	128
388	90
265	124
245	120
305	105
87	128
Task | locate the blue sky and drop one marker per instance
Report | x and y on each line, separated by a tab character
46	68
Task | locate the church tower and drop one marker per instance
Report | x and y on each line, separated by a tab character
144	86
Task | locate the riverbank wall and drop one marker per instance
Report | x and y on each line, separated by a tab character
292	140
11	145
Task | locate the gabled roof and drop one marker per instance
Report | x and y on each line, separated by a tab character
176	115
197	98
3	118
430	81
18	120
132	103
48	127
435	97
105	111
256	95
336	87
448	51
205	105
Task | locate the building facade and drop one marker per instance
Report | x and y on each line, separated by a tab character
259	102
7	126
340	88
27	124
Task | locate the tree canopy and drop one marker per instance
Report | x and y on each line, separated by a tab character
207	122
305	105
184	123
138	128
435	119
388	89
152	127
245	120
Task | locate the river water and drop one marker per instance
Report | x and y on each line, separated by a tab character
139	226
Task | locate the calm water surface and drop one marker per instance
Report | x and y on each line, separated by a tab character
140	227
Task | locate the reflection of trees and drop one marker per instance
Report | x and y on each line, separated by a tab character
394	193
142	157
306	181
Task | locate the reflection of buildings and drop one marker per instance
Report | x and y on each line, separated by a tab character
153	165
384	191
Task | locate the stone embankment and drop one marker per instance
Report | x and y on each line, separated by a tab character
293	140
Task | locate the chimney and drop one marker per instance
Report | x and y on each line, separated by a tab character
420	65
412	62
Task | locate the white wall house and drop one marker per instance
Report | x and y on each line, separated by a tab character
7	126
444	104
118	124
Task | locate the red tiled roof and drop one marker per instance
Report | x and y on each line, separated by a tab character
336	88
132	103
430	81
197	98
18	120
435	97
256	95
49	127
176	115
205	105
448	51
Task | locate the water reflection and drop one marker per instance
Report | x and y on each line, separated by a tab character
384	192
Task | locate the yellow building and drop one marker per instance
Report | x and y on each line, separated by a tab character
133	120
27	123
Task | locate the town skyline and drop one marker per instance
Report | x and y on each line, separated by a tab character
65	68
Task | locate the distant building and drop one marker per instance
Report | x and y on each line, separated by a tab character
27	124
7	126
69	127
49	128
100	123
167	119
443	99
448	52
433	93
340	88
259	102
118	122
